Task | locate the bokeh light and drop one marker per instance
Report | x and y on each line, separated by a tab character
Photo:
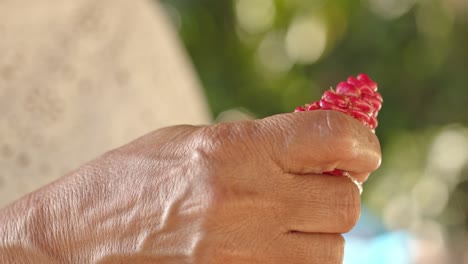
272	53
306	39
430	194
449	153
255	16
259	58
390	9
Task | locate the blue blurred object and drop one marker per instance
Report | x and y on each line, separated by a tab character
370	243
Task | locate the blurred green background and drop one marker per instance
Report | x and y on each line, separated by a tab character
263	57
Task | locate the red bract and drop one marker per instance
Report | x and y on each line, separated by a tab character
357	97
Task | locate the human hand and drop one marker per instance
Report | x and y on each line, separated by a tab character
244	192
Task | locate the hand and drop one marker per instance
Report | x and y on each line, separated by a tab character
245	192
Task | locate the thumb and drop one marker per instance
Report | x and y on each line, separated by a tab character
319	141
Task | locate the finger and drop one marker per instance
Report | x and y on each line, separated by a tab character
302	248
291	248
319	141
318	203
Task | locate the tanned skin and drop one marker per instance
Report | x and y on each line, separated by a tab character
243	192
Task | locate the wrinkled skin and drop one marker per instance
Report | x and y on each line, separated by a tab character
244	192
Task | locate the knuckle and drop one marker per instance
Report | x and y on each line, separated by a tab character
217	139
333	249
337	242
376	152
347	145
350	203
339	247
351	139
211	139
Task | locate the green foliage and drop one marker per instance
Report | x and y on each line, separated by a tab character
420	74
417	54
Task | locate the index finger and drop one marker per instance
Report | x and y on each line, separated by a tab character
319	141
